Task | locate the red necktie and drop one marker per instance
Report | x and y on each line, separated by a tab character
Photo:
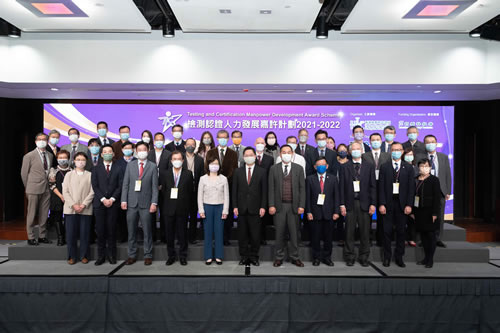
258	158
107	168
141	170
321	184
249	175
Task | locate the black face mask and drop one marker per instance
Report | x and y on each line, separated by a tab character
190	149
343	154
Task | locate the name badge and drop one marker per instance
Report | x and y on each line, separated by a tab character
321	199
174	192
355	183
377	172
395	188
138	184
433	172
417	201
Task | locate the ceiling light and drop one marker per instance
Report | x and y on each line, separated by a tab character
54	89
13	32
168	28
53	8
438	9
437	91
476	33
309	91
321	28
182	90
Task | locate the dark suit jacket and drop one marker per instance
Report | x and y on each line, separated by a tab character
164	159
181	205
266	162
367	147
229	164
199	170
54	153
406	185
122	164
367	185
249	199
331	191
383	148
276	184
171	146
106	185
309	148
383	158
110	141
90	166
331	159
418	148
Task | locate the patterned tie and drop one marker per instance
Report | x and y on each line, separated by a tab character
249	175
45	165
286	171
141	170
95	160
396	168
321	184
356	167
433	166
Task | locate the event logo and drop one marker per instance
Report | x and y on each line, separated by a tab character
169	121
369	125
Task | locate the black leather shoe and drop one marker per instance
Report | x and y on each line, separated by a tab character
44	240
112	260
298	263
208	262
218	262
400	263
32	242
386	263
421	263
242	262
364	263
440	244
99	261
183	261
349	262
254	262
328	262
429	265
316	262
170	261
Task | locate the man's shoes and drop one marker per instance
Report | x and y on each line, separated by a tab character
328	262
440	244
148	261
242	262
349	262
254	262
400	263
421	263
364	262
277	263
170	261
298	263
112	260
99	261
429	265
32	242
85	260
387	263
316	262
44	240
130	261
183	261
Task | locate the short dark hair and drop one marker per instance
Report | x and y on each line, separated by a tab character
430	136
210	159
318	132
94	140
126	143
159	133
122	127
102	123
74	129
107	146
63	151
176	152
321	158
424	161
291	137
178	126
248	148
356	127
186	141
141	143
284	146
411	127
375	134
236	132
41	134
390	127
80	153
342	145
397	143
222	131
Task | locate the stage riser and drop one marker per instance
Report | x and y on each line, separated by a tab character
456	252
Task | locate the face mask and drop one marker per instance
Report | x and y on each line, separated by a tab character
412	136
321	169
222	142
80	164
128	152
102	131
271	142
73	138
330	146
142	155
213	167
376	144
41	144
396	155
94	149
190	149
107	157
303	138
356	153
293	145
409	158
286	158
260	147
424	170
342	154
124	136
207	141
236	141
430	147
159	144
359	136
389	137
322	143
177	135
62	163
54	141
249	160
146	139
177	164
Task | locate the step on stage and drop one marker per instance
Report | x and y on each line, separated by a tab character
39	292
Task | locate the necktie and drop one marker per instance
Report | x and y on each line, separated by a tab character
322	154
221	156
45	165
258	159
321	184
249	175
95	160
302	151
286	171
107	168
433	166
396	167
356	167
73	152
238	149
105	141
376	160
141	170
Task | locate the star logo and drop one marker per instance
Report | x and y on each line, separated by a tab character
168	121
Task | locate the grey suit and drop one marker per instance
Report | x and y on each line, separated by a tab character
138	204
383	157
79	149
36	184
286	213
240	154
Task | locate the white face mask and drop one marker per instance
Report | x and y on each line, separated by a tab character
249	160
80	164
260	147
425	170
73	138
146	139
142	155
177	135
271	142
177	164
41	144
286	158
303	138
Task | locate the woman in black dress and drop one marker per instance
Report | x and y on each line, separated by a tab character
426	210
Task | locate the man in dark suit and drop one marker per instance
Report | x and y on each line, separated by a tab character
266	162
177	143
177	195
396	197
303	148
250	202
196	165
440	167
107	180
287	200
322	208
418	146
229	162
94	154
322	151
52	147
358	133
76	147
102	131
358	193
118	145
389	136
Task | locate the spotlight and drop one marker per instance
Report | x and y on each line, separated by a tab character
476	33
13	32
168	28
321	29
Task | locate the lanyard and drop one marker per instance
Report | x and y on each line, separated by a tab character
176	179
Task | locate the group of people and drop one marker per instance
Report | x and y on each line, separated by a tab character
111	188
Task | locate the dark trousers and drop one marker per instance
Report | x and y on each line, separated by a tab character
429	245
379	233
321	229
440	220
410	229
193	219
361	219
106	230
176	227
339	229
122	230
267	220
394	218
78	224
249	236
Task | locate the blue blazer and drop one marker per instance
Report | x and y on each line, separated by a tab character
106	185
